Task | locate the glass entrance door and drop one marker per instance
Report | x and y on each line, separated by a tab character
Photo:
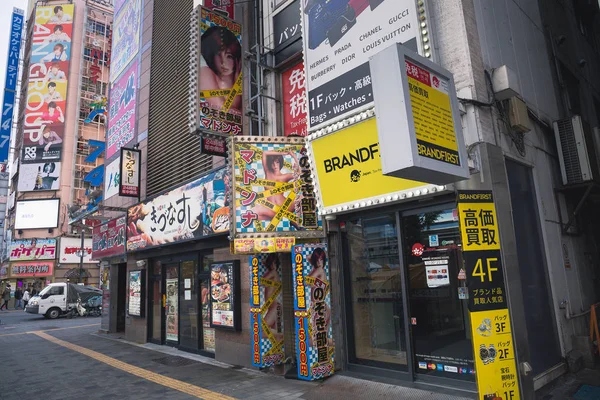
439	318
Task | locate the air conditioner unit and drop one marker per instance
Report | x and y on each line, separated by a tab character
576	150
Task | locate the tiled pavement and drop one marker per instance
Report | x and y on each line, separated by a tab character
33	367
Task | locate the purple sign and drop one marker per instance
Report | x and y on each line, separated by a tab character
121	115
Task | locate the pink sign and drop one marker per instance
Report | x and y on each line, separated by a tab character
121	115
32	268
294	101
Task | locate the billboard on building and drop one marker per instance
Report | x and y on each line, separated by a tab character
69	249
30	269
122	113
37	214
196	209
215	73
32	249
112	177
130	173
312	311
293	86
39	177
10	83
348	170
339	37
287	33
225	6
109	239
126	36
274	191
46	105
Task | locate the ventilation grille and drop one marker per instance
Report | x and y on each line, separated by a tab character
173	153
568	144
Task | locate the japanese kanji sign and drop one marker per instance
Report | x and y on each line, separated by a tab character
31	269
293	86
495	363
32	249
274	191
287	32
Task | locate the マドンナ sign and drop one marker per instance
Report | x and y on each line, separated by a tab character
418	118
348	169
274	191
339	37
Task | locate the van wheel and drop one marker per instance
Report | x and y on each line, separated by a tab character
53	313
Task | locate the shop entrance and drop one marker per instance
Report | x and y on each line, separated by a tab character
401	272
178	309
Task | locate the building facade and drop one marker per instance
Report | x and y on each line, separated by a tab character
203	255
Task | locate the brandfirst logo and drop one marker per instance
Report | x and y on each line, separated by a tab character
355	175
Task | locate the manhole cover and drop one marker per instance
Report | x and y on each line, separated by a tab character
174	361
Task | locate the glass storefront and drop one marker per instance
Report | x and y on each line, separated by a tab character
405	293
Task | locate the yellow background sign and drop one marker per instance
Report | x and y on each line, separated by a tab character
349	167
478	227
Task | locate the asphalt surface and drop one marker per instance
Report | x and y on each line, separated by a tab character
66	359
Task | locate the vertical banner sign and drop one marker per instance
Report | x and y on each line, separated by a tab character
312	312
215	73
130	173
126	36
10	84
274	191
493	344
46	107
224	6
122	116
266	310
339	37
172	309
293	83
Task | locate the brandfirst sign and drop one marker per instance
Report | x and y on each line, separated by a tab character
418	118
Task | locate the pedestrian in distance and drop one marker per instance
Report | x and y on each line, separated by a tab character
19	298
26	297
5	297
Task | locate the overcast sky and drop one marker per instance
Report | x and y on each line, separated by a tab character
6	7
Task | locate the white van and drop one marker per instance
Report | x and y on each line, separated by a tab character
58	298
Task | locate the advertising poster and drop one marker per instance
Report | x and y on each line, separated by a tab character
32	249
339	37
225	6
130	175
32	269
172	309
437	271
37	214
220	74
266	310
121	115
112	177
349	169
491	331
10	83
224	295
312	312
47	84
38	177
126	37
274	191
70	246
208	333
293	85
196	209
136	296
264	245
109	239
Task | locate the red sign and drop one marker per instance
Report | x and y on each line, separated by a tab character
32	268
109	239
223	5
295	101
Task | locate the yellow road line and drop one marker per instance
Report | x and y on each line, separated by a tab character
140	372
46	330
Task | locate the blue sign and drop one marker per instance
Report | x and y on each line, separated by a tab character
10	85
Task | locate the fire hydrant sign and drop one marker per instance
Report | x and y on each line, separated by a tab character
491	331
418	119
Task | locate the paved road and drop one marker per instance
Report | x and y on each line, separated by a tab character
67	359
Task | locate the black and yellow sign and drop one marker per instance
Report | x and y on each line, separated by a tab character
493	347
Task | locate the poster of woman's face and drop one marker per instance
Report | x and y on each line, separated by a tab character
220	77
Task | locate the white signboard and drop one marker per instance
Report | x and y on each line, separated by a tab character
338	40
111	179
36	214
69	248
38	177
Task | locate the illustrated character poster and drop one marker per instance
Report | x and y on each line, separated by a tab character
196	209
274	191
126	37
135	293
220	75
312	312
46	107
266	310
